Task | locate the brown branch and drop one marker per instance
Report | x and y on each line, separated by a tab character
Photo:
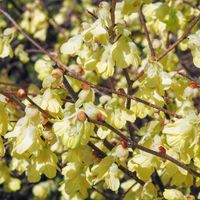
131	143
105	142
185	34
9	84
189	78
77	76
73	95
10	95
101	154
111	91
92	14
125	193
14	92
121	135
98	191
166	157
134	145
112	14
128	103
138	76
39	108
129	88
143	22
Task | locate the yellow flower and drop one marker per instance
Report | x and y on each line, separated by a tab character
173	194
125	53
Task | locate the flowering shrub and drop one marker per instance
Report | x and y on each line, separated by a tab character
100	100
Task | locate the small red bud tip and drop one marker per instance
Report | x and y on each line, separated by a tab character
121	91
162	150
193	85
80	71
100	117
8	100
124	144
56	73
114	143
44	116
81	116
21	93
85	86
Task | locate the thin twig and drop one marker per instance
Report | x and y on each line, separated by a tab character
111	91
9	84
92	14
121	135
98	191
106	143
131	143
10	95
185	34
39	108
128	103
112	14
143	22
125	193
138	76
73	95
134	145
101	154
166	157
189	78
77	76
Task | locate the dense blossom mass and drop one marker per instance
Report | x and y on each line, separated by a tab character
100	99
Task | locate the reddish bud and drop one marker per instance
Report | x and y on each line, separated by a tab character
80	71
114	143
8	100
124	144
162	150
100	117
21	93
56	73
121	91
193	85
81	116
85	86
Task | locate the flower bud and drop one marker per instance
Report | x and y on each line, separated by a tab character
121	91
85	86
56	73
193	85
81	116
124	144
100	117
162	150
21	93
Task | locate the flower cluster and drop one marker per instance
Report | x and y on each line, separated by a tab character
113	114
